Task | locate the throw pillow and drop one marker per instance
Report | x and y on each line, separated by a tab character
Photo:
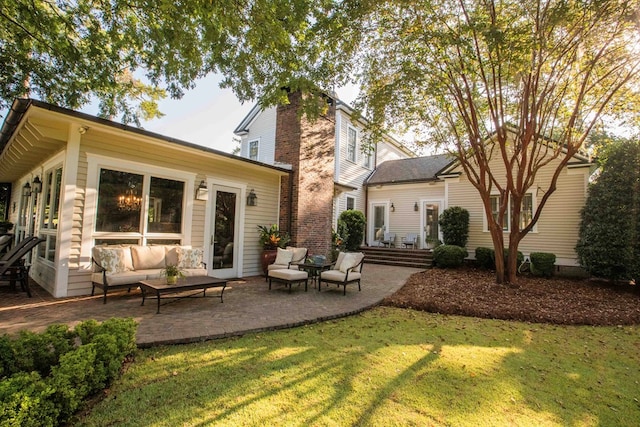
348	262
112	260
189	258
284	257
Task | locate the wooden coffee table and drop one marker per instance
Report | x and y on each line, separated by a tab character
191	283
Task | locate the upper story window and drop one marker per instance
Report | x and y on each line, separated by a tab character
368	155
352	140
526	213
351	203
253	149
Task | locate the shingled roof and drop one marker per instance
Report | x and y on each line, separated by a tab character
418	169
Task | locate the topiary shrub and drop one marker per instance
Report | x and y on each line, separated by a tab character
454	223
449	256
354	222
542	263
485	258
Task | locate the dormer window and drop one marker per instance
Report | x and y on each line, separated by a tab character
253	149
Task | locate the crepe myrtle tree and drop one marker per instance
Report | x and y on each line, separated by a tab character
510	88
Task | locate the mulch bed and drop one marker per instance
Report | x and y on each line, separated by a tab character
473	292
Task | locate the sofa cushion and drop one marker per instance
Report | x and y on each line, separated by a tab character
124	278
194	272
284	256
111	259
171	254
148	257
189	258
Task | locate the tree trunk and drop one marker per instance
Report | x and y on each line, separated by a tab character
512	261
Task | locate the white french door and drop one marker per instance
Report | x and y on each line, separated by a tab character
224	238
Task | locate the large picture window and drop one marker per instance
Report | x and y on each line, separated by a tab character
123	215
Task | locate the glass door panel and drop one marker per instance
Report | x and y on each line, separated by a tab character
379	223
224	237
431	228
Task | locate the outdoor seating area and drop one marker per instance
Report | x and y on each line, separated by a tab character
125	266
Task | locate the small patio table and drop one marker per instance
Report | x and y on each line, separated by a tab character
314	269
189	283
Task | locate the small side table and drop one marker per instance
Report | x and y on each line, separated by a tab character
314	270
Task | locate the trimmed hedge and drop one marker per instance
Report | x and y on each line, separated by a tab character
542	263
46	387
449	256
454	224
486	258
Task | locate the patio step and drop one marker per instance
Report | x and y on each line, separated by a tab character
416	258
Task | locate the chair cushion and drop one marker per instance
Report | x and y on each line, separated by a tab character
336	266
189	258
284	256
298	253
125	278
339	276
279	267
148	257
287	274
348	262
195	272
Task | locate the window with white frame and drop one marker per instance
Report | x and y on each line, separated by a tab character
351	203
253	149
50	214
123	216
368	155
526	213
352	143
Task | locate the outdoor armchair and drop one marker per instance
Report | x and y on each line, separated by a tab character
389	239
410	240
346	270
14	268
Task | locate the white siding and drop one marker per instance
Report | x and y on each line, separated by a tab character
262	128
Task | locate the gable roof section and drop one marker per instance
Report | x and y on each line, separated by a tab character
20	112
417	169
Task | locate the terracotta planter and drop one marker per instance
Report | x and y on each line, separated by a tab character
268	257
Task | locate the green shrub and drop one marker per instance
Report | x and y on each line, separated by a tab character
59	369
449	256
454	223
354	222
485	258
26	400
542	263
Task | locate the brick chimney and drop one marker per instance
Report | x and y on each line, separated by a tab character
306	204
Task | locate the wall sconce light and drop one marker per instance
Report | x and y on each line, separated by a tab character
14	207
415	207
83	129
393	208
252	199
26	190
202	192
37	185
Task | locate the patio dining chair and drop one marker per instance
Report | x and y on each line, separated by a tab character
15	269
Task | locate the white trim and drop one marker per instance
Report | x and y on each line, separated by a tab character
214	184
336	167
423	232
386	203
67	205
355	147
257	140
95	162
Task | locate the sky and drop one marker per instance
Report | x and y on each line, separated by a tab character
207	115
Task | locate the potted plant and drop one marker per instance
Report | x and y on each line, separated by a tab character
172	273
271	238
432	242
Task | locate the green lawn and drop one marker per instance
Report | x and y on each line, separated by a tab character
387	367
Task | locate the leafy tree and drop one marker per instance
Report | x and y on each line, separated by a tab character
454	223
353	222
490	80
609	240
129	54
